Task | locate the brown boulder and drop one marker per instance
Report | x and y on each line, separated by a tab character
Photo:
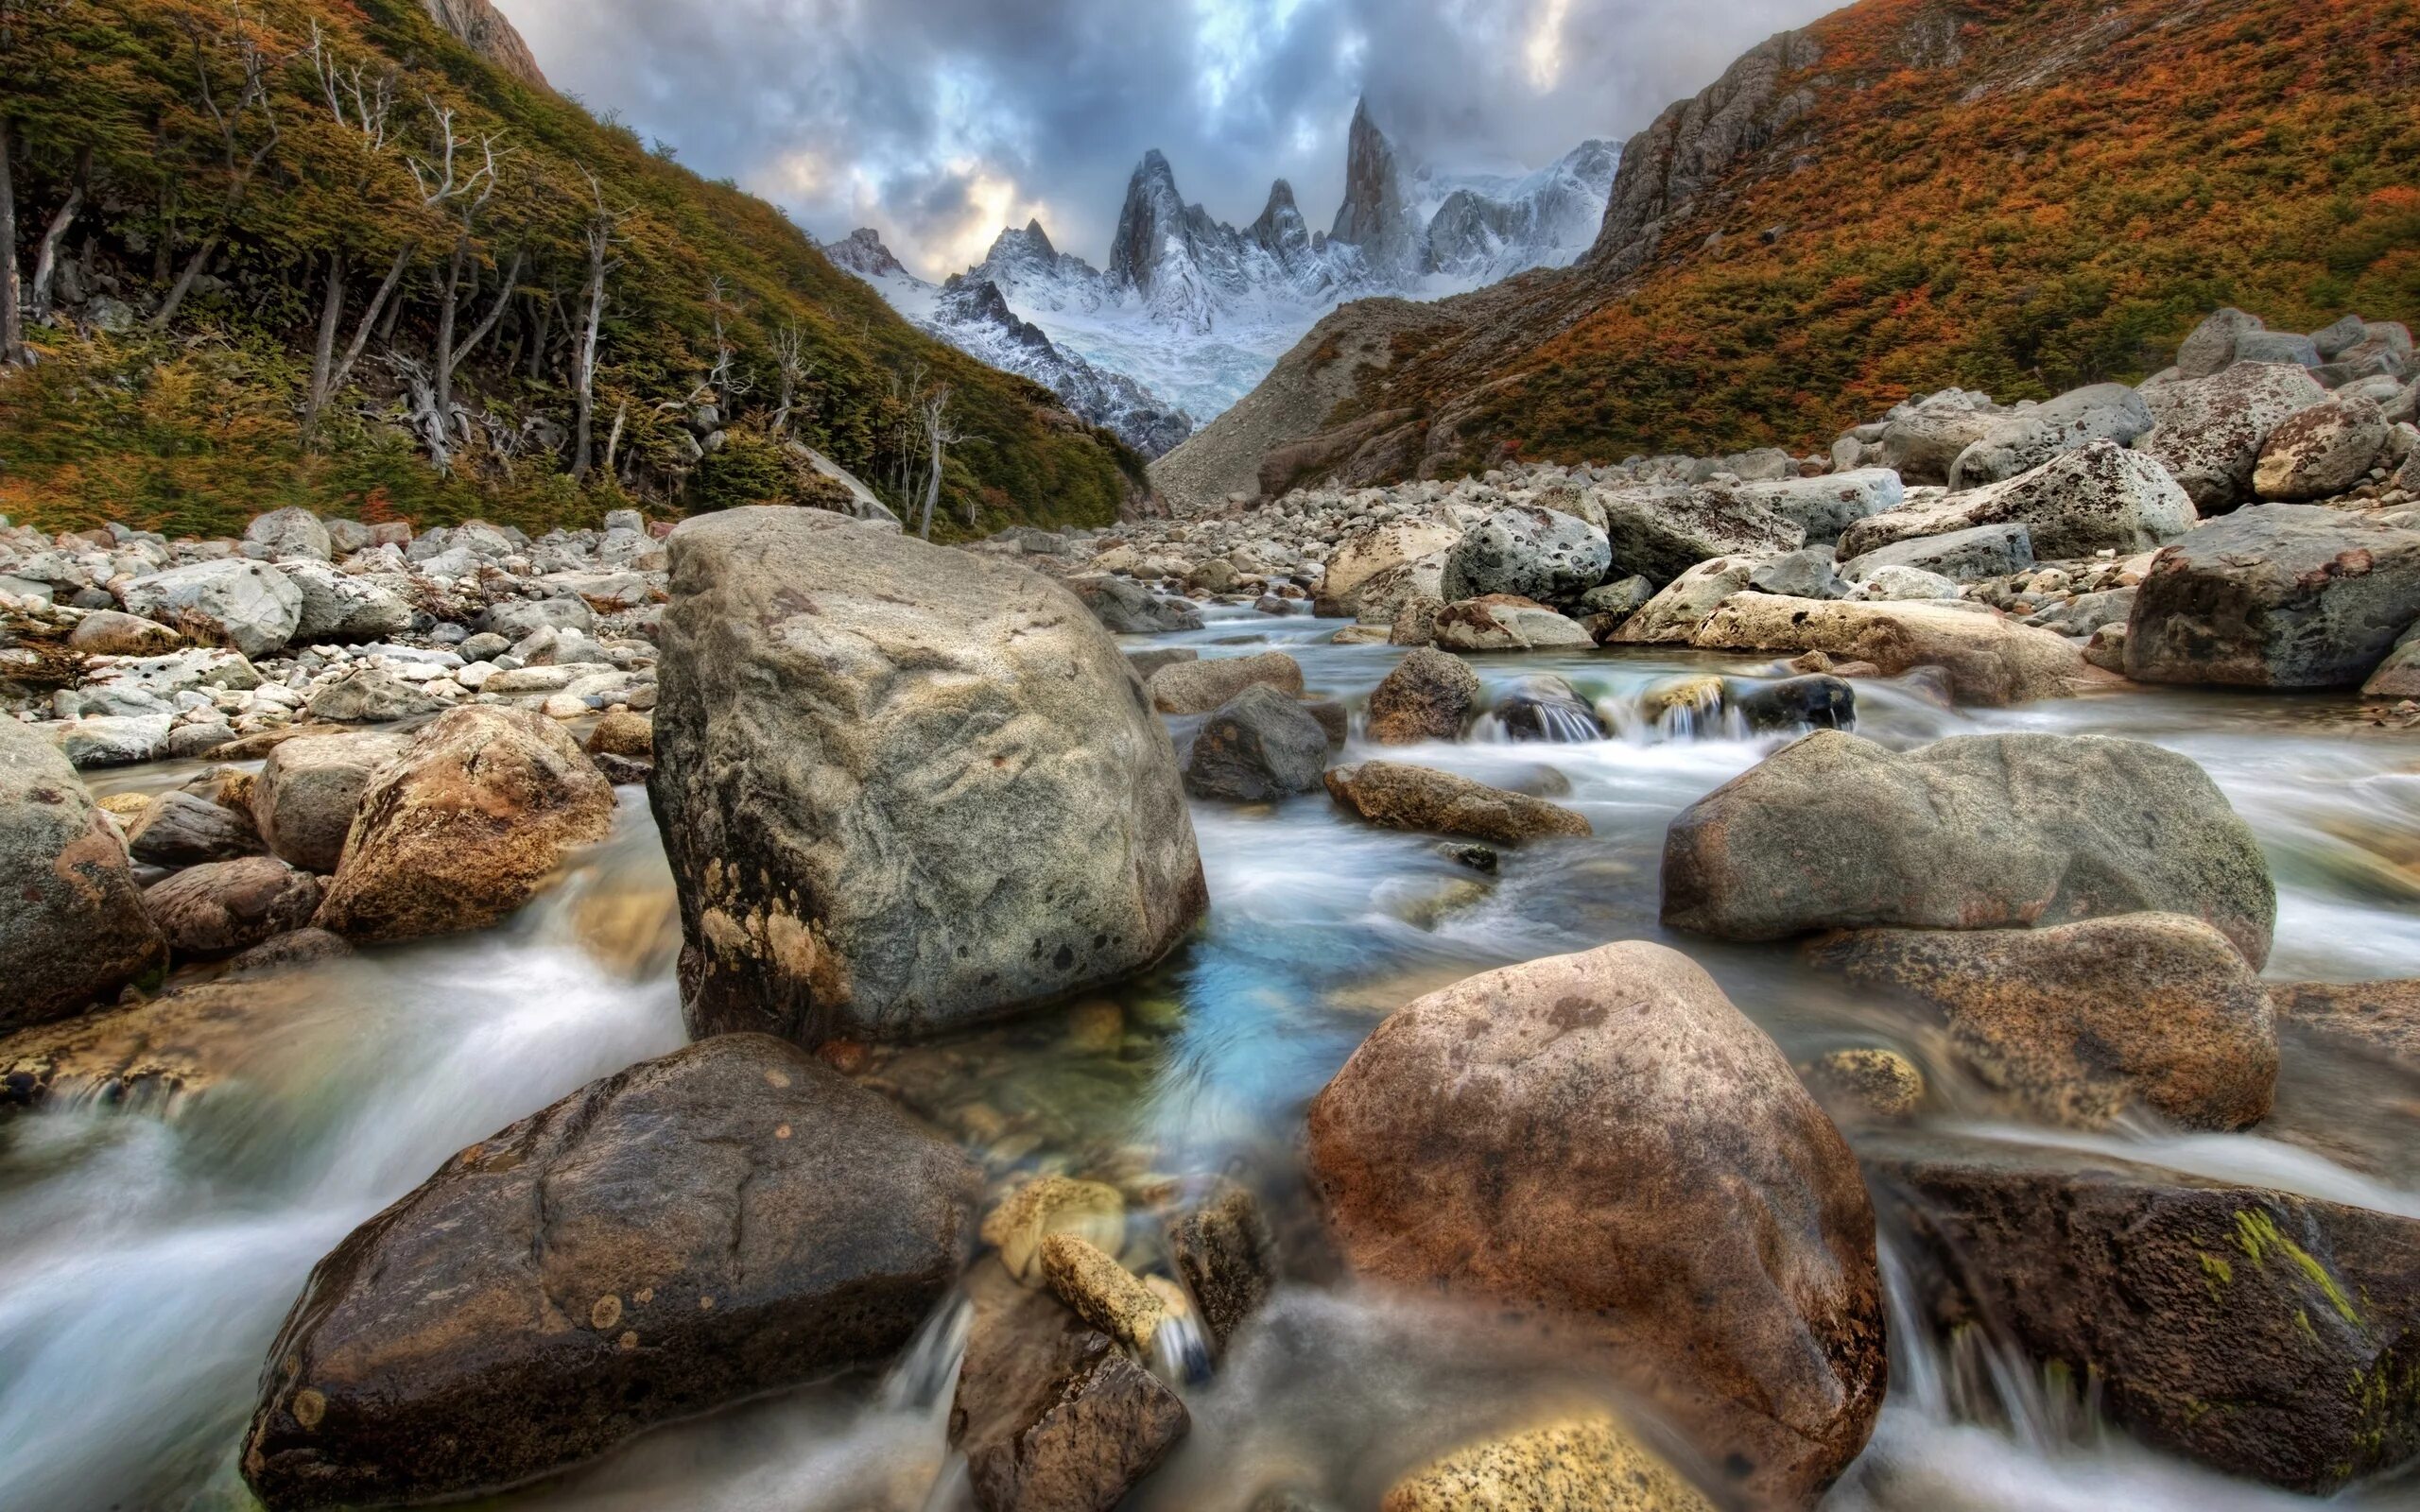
1051	1414
2375	1018
1589	1463
1602	1141
699	1230
1991	659
75	930
465	826
1199	687
1397	797
2083	1022
631	736
228	906
309	789
152	1052
1429	696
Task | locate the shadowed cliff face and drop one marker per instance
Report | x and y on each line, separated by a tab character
483	29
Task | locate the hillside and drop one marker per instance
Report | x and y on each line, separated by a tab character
257	278
2014	195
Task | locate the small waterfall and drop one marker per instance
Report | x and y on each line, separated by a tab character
926	1372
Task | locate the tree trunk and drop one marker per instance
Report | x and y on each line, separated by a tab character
46	262
451	352
12	335
380	300
546	334
183	285
584	367
932	481
323	355
443	383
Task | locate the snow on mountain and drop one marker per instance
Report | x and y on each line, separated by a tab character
1196	310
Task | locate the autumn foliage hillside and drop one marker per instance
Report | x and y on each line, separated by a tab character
2014	195
290	156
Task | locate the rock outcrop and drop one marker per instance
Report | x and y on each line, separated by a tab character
75	930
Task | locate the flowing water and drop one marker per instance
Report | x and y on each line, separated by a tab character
147	1253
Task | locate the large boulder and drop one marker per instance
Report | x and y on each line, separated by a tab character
518	619
181	828
1674	615
1127	608
902	787
233	601
340	607
2083	1021
2209	431
2210	349
1826	505
1369	552
1502	622
2098	497
1603	1143
369	695
2027	438
1924	443
1261	745
309	788
107	632
228	906
1527	553
1429	696
290	534
694	1231
1661	532
1978	832
1990	658
1197	687
2320	452
1588	1463
1967	556
2280	596
464	826
2268	1334
75	930
1394	796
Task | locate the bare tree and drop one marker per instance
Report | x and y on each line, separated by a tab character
242	168
12	335
790	355
46	260
604	234
467	194
932	414
364	103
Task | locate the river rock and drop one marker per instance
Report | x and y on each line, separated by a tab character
1051	1414
464	826
1527	552
1967	556
2211	430
518	619
1661	532
1125	607
2099	497
1977	832
2025	439
2261	1332
731	1219
1365	554
2083	1021
340	607
309	788
1050	1204
153	1052
1604	1144
1547	707
1819	700
1101	1291
1198	687
226	906
1990	658
2374	1019
1222	1246
1397	797
1503	622
1672	616
2320	452
1261	745
370	696
1808	573
2281	596
902	787
1619	599
107	632
291	533
1583	1464
233	601
75	930
1429	696
181	828
1924	443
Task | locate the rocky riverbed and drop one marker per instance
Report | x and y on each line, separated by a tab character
1733	982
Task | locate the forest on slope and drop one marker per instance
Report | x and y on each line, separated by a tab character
323	252
2014	196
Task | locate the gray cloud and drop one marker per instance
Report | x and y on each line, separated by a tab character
938	121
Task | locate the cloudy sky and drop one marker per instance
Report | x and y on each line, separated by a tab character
940	121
